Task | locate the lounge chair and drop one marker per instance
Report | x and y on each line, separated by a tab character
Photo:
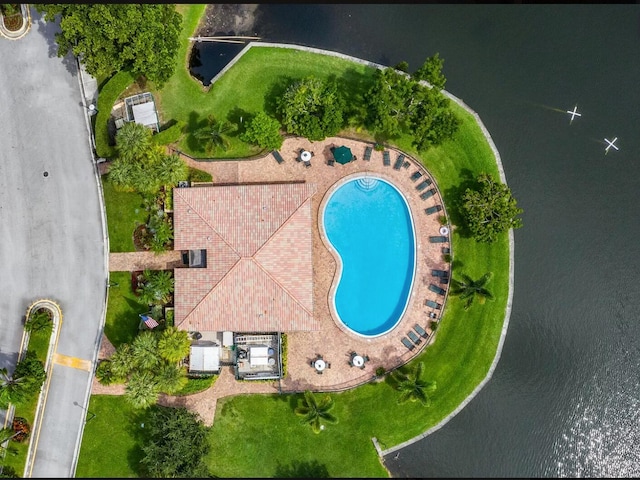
439	273
437	289
386	160
277	156
432	304
399	162
414	338
421	331
416	175
438	239
444	280
424	184
367	153
434	209
428	194
405	341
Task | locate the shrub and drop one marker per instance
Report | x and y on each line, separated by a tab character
264	131
22	429
380	371
106	98
105	375
169	135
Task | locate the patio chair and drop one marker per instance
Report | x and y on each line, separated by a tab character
437	289
446	250
432	304
424	184
319	372
438	239
366	358
328	365
406	164
428	194
307	164
432	210
433	315
331	162
405	341
414	338
386	159
367	153
399	162
421	331
416	175
277	156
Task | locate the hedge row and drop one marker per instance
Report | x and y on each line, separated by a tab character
106	98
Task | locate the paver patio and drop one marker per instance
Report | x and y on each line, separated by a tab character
333	341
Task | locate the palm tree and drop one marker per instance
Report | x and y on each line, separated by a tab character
11	388
39	320
141	390
122	361
145	351
468	289
313	412
132	141
172	169
170	378
412	386
213	134
157	287
174	344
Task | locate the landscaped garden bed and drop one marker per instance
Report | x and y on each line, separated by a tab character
12	16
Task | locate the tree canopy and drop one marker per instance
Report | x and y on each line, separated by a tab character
264	131
398	103
108	37
176	444
490	210
142	165
312	108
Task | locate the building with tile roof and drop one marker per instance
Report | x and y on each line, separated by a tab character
251	251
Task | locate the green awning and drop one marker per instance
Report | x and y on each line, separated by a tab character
342	154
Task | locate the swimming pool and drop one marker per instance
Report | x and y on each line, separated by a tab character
368	223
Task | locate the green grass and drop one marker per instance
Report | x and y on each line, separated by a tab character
111	445
184	99
39	344
466	341
123	308
124	213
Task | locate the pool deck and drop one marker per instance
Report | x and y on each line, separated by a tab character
333	341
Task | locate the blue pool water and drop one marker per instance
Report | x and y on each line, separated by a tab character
369	225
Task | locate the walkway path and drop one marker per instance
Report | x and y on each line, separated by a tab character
133	261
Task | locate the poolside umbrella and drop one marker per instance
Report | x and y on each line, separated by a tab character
342	154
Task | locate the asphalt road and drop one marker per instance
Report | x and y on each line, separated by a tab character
51	232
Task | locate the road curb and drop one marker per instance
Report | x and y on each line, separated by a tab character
55	309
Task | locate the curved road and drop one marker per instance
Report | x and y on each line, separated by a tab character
52	243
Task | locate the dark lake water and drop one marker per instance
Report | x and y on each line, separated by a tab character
565	397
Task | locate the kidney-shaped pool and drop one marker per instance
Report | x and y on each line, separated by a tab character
368	223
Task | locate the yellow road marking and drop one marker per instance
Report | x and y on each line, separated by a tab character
73	362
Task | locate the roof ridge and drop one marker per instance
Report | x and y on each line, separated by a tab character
195	210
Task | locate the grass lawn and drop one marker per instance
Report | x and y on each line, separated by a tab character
17	452
259	435
124	213
123	308
111	444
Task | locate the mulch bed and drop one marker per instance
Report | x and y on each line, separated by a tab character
14	22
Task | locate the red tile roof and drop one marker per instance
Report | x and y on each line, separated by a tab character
259	273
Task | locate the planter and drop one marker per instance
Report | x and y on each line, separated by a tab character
12	16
